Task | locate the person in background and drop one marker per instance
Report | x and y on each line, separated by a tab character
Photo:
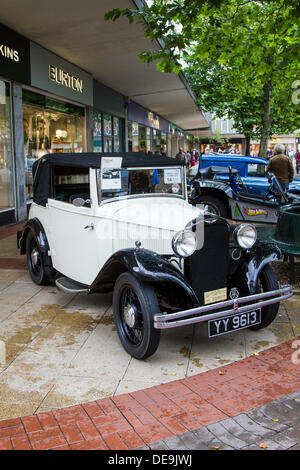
163	151
269	153
188	158
181	155
297	158
282	167
192	160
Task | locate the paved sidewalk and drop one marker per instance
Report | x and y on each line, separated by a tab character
68	384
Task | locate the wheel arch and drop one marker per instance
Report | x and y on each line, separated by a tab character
217	193
35	226
147	267
262	254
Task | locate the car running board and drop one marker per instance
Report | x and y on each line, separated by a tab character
68	285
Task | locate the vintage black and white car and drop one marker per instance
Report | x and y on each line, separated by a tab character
167	262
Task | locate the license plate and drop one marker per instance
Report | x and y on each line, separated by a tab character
224	325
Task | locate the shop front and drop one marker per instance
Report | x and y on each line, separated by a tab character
147	132
14	66
7	196
54	109
109	114
178	139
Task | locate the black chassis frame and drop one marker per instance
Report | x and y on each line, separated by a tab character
167	279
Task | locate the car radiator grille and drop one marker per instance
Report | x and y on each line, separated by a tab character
208	267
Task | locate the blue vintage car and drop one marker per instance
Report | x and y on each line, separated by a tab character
252	171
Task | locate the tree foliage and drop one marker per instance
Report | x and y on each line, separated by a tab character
251	48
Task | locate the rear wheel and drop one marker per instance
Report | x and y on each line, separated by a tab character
212	204
267	281
35	261
134	304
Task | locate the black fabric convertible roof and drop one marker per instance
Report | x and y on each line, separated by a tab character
41	169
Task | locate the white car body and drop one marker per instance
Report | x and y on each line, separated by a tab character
112	226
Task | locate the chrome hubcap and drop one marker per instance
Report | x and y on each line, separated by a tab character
129	315
34	257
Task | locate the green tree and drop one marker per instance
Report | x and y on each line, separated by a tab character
257	41
216	93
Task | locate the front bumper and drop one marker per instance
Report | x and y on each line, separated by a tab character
232	307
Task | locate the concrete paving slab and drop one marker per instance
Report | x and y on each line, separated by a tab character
265	338
170	362
209	353
101	356
71	390
14	410
10	274
8	248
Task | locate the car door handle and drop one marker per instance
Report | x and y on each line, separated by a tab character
91	226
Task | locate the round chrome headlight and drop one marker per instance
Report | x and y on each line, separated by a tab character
245	235
184	243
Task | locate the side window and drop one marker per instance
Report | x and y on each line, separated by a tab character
255	169
71	183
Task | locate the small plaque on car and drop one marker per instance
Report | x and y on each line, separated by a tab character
224	325
215	295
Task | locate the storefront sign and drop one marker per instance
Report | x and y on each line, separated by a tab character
65	79
51	73
14	56
137	113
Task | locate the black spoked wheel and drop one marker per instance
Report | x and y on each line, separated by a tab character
135	304
212	205
35	262
267	281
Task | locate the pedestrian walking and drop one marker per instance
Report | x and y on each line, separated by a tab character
282	167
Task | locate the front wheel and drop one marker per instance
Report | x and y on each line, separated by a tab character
134	304
267	281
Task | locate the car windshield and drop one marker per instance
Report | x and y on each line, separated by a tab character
140	181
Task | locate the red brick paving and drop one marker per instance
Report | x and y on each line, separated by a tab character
9	230
12	263
132	420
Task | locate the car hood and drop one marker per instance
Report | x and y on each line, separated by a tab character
165	213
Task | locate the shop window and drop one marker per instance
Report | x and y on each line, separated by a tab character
6	165
97	133
117	134
133	137
156	141
49	127
107	133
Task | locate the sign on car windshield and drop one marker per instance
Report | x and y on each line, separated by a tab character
111	173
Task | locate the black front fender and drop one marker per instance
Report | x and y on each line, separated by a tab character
35	226
146	266
262	253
